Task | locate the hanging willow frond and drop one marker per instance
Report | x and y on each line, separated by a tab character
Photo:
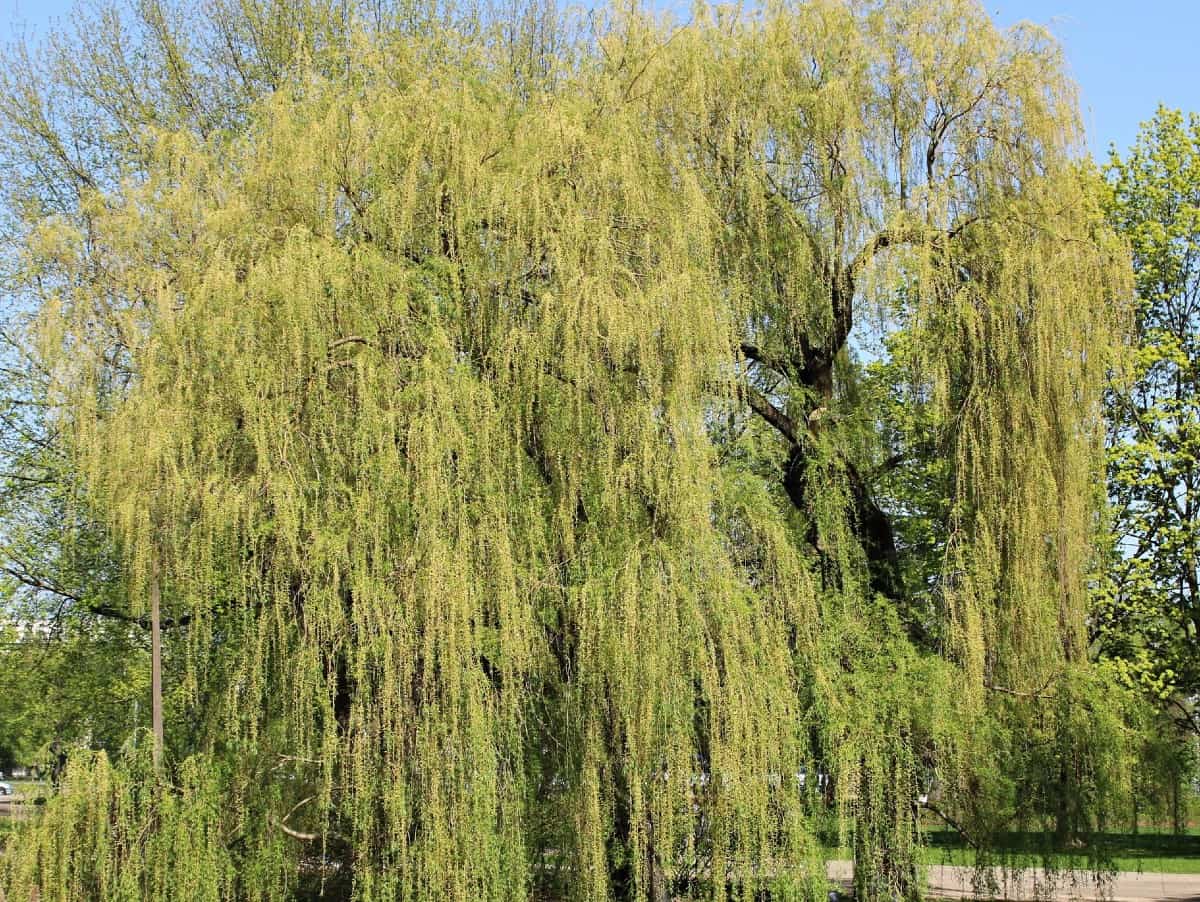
427	347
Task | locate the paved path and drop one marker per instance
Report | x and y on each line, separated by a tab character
13	807
953	882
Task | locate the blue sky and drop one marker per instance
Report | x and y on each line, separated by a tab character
1127	55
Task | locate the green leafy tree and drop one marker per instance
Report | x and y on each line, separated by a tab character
479	392
1147	614
84	687
1149	618
72	658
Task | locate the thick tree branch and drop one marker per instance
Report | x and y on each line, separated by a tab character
296	834
87	607
904	235
773	415
348	340
757	355
33	582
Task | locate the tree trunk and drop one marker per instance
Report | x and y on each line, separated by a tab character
156	701
660	887
885	868
1178	827
1064	831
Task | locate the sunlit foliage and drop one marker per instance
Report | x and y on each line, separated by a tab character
1147	612
481	389
1151	623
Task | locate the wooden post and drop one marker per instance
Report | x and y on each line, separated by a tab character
156	702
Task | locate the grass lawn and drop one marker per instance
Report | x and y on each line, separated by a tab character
1146	851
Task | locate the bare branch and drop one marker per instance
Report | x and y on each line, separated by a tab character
281	823
958	828
296	834
756	354
886	238
1037	693
348	340
769	412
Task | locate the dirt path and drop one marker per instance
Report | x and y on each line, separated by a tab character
953	882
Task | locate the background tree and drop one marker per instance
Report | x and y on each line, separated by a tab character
1151	621
71	656
1147	617
482	389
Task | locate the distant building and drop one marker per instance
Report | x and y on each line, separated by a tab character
23	630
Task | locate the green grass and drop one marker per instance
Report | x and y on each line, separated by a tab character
1146	851
1140	861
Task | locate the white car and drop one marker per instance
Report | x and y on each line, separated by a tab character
6	789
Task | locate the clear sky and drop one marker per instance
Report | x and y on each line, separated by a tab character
1127	55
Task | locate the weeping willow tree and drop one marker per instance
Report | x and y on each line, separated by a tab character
484	391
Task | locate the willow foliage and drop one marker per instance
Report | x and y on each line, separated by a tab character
481	389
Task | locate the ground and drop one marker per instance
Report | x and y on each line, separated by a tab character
958	882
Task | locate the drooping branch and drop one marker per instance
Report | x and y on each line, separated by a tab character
904	235
952	823
776	193
156	696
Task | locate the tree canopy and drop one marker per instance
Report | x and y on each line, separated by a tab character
512	409
1151	621
1147	614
